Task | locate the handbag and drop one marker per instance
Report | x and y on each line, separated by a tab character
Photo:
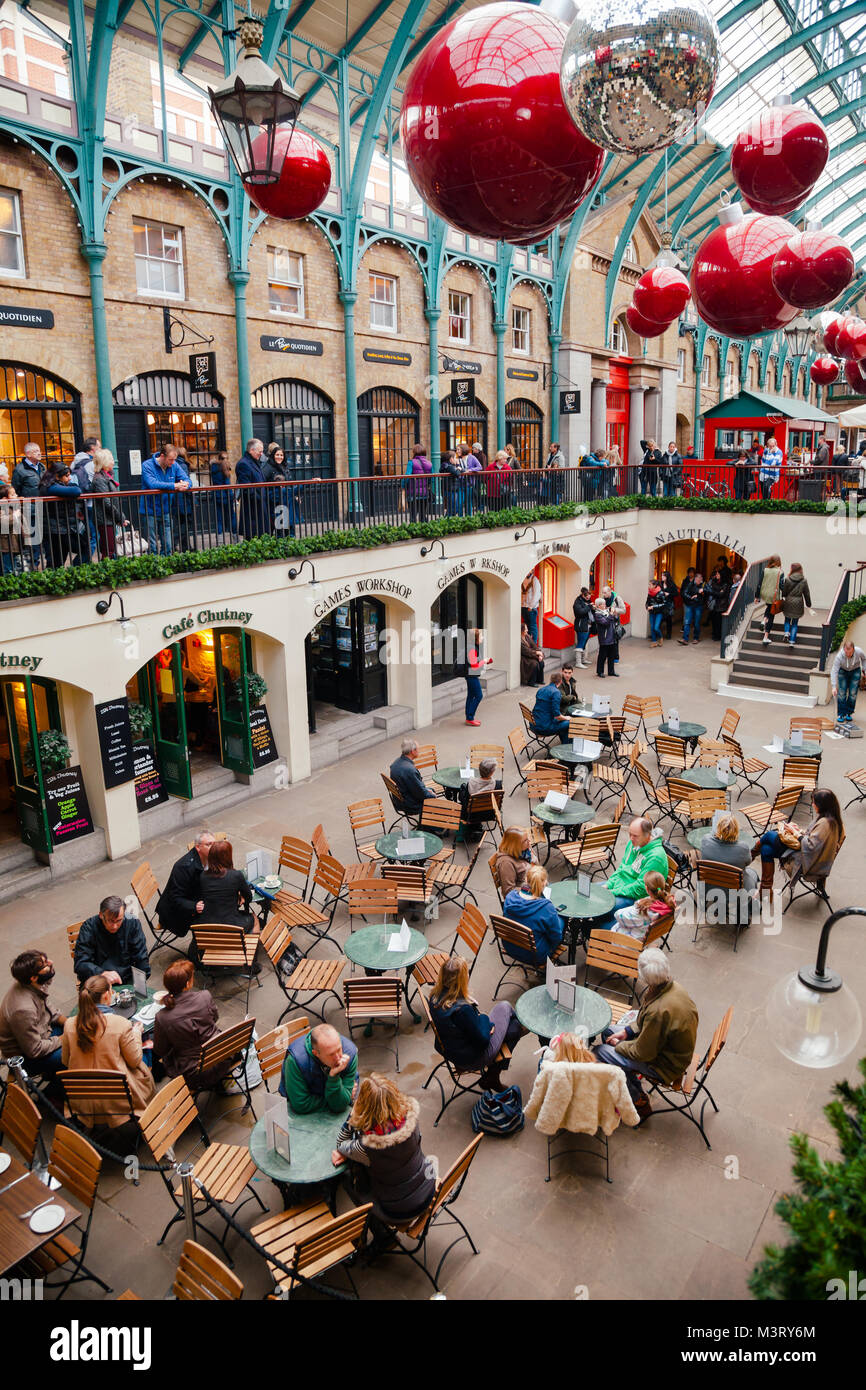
776	606
498	1112
618	630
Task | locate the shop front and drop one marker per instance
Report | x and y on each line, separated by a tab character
389	423
617	410
702	555
29	709
747	420
300	419
344	659
455	613
36	408
462	424
524	431
160	407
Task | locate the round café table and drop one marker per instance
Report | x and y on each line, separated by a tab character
449	779
387	847
368	947
581	913
694	837
312	1140
706	777
538	1014
574	814
687	733
583	712
265	895
806	750
564	753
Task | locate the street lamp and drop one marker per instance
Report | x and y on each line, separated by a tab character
798	335
813	1017
251	106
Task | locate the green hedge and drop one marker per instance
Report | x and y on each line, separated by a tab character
847	613
118	573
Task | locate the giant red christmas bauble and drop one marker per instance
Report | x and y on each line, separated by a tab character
305	179
829	326
812	269
645	328
824	371
731	275
851	338
778	158
486	136
661	294
854	377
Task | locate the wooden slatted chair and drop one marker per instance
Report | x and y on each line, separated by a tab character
305	976
147	892
660	931
20	1122
810	725
374	897
751	769
811	885
76	1165
465	1081
632	710
401	812
518	743
294	864
726	879
367	823
450	882
672	753
676	806
580	726
440	1212
702	804
535	739
551	777
472	929
224	947
592	850
857	778
651	708
729	724
494	874
319	841
479	751
426	761
508	933
483	812
766	815
413	885
610	782
659	797
94	1097
301	916
309	1240
372	998
800	772
329	885
682	1096
231	1045
441	817
202	1278
271	1047
225	1171
72	932
615	955
710	753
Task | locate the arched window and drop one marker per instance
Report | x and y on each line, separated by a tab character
389	423
618	339
156	407
36	409
462	424
523	430
300	419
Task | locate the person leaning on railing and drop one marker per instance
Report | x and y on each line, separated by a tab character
771	467
845	676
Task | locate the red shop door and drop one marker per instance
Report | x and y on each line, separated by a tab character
617	417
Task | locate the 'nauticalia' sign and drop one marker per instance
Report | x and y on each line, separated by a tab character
698	533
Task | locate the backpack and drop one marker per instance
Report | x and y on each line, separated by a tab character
498	1112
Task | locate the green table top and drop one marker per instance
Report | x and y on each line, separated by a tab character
705	777
126	1011
572	905
261	891
695	837
806	750
684	731
449	777
575	813
566	754
368	947
584	712
538	1013
387	847
312	1139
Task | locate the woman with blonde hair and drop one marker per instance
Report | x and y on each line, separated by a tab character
469	1039
107	512
97	1040
531	908
513	858
568	1047
722	845
383	1135
769	593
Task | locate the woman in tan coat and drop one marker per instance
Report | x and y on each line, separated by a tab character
513	858
96	1040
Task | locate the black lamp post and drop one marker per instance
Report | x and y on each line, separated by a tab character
251	106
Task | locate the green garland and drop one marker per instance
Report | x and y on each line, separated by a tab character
847	613
121	572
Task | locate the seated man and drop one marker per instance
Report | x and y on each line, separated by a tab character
110	943
660	1043
546	714
407	779
568	691
320	1072
180	901
643	853
29	1027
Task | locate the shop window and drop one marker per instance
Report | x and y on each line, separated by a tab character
681	365
158	259
523	429
38	409
459	316
383	303
630	252
520	331
285	282
11	236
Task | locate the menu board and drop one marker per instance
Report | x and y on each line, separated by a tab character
115	742
264	748
66	805
149	790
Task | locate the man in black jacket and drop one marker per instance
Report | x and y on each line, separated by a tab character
180	901
110	944
410	785
25	479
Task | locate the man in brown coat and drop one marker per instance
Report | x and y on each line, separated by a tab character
29	1027
660	1043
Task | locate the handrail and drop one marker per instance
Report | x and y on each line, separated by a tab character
842	596
741	601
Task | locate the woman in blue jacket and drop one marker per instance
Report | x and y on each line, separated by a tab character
529	907
62	534
470	1040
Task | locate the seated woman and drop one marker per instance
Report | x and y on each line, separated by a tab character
531	659
636	919
723	846
471	1039
96	1040
383	1134
532	909
811	851
224	894
188	1019
514	857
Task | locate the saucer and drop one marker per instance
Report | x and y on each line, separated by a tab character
5	1160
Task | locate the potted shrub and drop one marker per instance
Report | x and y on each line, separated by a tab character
54	751
256	689
140	722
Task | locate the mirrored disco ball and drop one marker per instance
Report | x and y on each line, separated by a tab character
637	74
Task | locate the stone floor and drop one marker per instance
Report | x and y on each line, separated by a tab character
678	1221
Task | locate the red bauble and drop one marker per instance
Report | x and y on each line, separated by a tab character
661	294
778	158
812	269
851	338
855	377
824	371
829	327
731	275
645	328
487	140
302	185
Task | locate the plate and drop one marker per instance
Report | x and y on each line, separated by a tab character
47	1218
272	881
5	1160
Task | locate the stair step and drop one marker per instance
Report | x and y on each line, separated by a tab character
798	666
14	855
359	741
201	808
768	683
15	885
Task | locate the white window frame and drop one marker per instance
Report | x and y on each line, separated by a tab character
17	233
731	382
281	276
630	252
521	321
148	260
681	366
378	303
619	338
459	312
706	370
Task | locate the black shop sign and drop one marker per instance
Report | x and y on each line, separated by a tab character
463	391
264	748
66	805
17	316
569	402
115	742
456	364
388	356
521	374
149	790
203	371
306	347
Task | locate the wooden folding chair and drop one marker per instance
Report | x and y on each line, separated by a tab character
580	726
682	1096
72	932
271	1047
518	743
857	778
20	1122
728	726
94	1097
76	1165
413	885
671	753
800	772
329	882
651	708
811	726
508	933
375	998
472	928
426	760
632	709
675	806
494	874
766	815
309	1241
812	885
231	1045
702	804
548	778
220	1175
751	769
615	955
483	811
301	916
726	879
147	891
533	737
450	882
294	864
441	817
366	818
439	1212
592	850
460	1086
224	947
202	1278
374	897
306	976
479	751
401	812
660	931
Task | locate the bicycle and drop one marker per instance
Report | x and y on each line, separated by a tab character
702	487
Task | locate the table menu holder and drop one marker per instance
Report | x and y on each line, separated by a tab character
259	864
601	704
277	1126
674	721
566	995
547	892
796	738
466	772
584	885
557	801
717	816
554	975
399	940
410	847
139	982
778	743
723	770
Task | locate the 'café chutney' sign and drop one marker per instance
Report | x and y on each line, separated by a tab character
66	805
205	617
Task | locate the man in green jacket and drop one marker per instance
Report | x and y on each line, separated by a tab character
320	1072
642	855
660	1043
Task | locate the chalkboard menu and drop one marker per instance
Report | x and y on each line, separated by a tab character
115	742
66	805
149	790
264	748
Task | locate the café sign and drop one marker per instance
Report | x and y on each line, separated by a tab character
697	533
372	584
204	618
24	663
483	562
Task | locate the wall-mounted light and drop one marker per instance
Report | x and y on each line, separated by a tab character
813	1017
314	589
441	562
536	548
126	631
